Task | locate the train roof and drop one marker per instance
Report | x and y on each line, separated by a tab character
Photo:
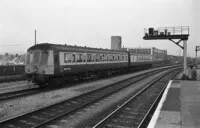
60	47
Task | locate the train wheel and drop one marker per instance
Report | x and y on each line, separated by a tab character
43	85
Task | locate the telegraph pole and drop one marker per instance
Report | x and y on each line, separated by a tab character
35	36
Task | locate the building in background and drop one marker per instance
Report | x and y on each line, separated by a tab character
12	59
116	42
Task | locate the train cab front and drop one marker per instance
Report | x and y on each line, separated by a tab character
39	66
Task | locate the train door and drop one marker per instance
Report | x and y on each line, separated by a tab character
56	62
129	59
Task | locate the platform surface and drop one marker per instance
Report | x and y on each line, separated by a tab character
179	106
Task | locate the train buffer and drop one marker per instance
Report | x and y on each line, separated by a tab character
179	105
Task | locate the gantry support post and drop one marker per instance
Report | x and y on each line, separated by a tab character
185	58
177	43
179	33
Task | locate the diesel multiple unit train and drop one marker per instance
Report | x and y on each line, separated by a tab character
47	63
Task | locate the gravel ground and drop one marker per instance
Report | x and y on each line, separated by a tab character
78	119
12	78
12	84
12	108
16	86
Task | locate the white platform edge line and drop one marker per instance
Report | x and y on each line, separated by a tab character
158	109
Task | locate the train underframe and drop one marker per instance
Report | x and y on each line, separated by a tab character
55	80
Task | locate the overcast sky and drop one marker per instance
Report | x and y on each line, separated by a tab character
93	22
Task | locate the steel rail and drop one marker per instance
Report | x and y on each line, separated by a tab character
20	93
154	103
104	120
58	116
95	100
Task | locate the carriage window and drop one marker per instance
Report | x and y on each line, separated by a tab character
67	57
44	57
79	57
73	58
36	57
122	57
84	57
97	57
89	57
28	58
113	57
105	57
126	57
93	57
101	57
110	57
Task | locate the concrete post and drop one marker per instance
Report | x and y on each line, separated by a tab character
196	58
185	57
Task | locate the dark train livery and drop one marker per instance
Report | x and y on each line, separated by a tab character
47	62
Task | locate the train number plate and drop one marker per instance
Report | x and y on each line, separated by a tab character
67	68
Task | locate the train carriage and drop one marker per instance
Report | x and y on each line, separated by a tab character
49	62
141	61
45	61
82	59
140	57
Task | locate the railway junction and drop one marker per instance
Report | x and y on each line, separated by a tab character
85	104
155	97
89	64
123	101
165	96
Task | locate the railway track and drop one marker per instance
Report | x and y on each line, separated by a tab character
19	93
4	79
16	94
42	117
137	110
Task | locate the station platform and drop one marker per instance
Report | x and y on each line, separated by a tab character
179	106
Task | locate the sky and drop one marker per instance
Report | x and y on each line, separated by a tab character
92	22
